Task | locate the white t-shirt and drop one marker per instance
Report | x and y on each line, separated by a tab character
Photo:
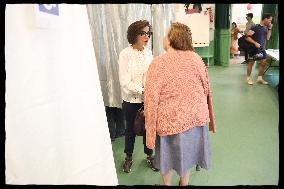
249	25
133	65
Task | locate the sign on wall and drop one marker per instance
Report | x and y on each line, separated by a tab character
49	8
199	24
47	16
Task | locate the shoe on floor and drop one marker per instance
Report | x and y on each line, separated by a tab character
150	161
261	81
127	165
250	81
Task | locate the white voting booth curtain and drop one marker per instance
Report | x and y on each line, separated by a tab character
109	23
163	15
56	127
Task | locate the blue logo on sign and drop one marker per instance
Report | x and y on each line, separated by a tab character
49	8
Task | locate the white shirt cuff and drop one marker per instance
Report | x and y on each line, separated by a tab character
140	90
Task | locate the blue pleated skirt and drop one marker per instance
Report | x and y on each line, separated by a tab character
183	151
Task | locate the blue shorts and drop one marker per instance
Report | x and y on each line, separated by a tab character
257	51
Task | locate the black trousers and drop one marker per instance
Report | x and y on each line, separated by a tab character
116	121
130	110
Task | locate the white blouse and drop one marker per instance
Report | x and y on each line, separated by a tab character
133	65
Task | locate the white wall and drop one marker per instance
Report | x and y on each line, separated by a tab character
56	127
198	24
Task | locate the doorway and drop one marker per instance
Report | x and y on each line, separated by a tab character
238	16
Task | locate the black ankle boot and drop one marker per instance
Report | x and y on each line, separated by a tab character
127	164
150	161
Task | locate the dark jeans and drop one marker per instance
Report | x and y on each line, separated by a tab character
116	121
130	111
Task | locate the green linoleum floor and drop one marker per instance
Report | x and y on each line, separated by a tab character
245	149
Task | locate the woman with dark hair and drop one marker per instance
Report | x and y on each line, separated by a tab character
134	61
178	107
234	39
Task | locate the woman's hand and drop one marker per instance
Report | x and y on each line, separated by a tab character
214	130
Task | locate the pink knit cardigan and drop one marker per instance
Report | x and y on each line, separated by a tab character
177	95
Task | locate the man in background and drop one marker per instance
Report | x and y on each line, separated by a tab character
249	25
258	35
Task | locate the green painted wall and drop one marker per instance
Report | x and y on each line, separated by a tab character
204	52
222	34
222	46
